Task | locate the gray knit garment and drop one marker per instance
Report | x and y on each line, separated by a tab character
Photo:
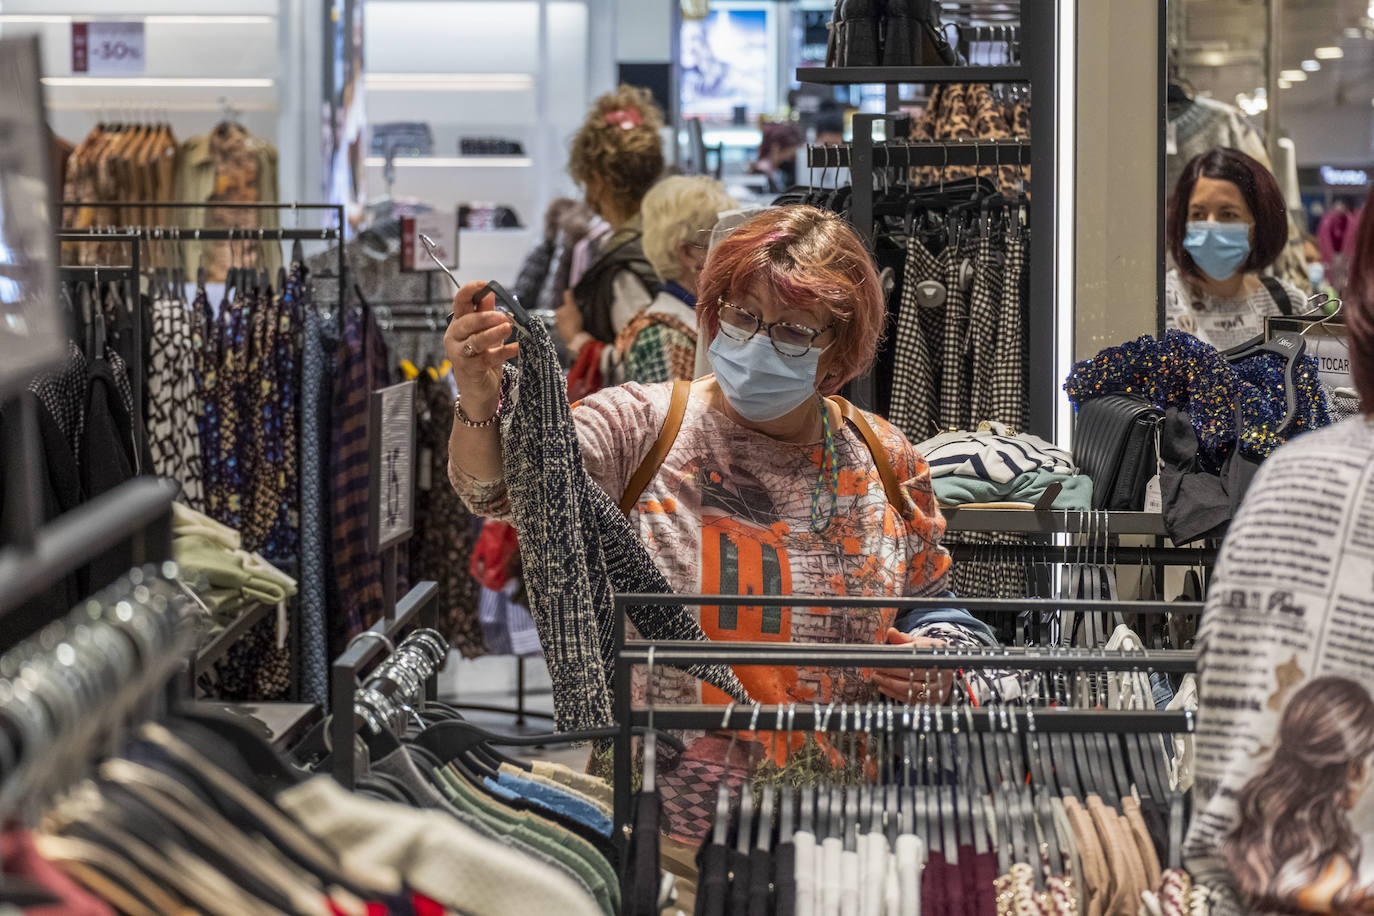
576	548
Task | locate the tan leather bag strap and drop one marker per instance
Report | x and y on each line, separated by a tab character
677	408
672	423
891	485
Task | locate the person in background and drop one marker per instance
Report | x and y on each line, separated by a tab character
617	155
1316	268
777	156
1226	223
1285	733
659	344
830	124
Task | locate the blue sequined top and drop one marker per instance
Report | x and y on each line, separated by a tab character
1184	372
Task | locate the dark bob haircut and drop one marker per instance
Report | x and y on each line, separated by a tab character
1262	196
1357	308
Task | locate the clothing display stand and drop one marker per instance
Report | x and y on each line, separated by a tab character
192	234
1037	40
645	653
415	609
214	652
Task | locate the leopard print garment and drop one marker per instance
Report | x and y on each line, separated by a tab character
958	111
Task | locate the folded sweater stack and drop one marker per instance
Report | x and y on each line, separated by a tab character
992	465
230	580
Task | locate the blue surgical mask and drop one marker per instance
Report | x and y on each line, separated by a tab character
758	381
1218	249
1316	273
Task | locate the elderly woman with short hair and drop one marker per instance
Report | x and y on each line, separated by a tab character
769	487
659	344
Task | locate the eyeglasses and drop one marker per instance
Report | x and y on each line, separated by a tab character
788	339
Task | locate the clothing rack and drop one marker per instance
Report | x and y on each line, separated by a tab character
126	274
630	653
1038	34
1071	553
415	609
158	233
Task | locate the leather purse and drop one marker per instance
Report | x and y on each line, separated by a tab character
1115	444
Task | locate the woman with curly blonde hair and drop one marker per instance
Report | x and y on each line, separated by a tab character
616	156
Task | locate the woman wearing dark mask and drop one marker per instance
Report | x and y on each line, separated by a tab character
768	487
1226	224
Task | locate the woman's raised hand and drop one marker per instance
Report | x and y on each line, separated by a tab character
475	343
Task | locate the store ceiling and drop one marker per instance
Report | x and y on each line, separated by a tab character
1220	47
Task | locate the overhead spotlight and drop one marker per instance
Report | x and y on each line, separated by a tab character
1353	32
1284	84
1311	66
1332	52
1293	76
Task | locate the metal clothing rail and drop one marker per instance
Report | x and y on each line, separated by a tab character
804	717
1090	554
982	153
681	653
1053	521
329	233
417	608
138	511
981	605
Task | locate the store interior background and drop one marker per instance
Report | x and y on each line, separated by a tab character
527	69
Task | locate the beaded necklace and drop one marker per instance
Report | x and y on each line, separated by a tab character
828	465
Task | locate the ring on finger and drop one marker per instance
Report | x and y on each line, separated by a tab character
469	350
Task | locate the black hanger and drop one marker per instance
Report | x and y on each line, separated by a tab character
1291	346
267	764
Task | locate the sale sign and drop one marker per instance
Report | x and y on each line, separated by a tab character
108	48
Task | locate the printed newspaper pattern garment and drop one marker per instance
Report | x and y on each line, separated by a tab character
1286	722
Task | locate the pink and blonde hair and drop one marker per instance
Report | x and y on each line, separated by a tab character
804	256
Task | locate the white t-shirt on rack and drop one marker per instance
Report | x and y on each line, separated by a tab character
1223	323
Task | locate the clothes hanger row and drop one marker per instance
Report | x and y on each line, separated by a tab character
953	785
66	689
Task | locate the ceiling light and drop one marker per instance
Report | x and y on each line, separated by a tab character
1261	93
1353	32
1284	84
1311	66
1293	76
1332	52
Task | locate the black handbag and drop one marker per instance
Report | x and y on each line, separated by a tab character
1116	445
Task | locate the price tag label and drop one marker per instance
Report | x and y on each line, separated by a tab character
108	48
391	446
442	230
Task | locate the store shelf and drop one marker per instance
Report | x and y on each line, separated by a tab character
860	76
285	723
225	639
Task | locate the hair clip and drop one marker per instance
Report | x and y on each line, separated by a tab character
625	118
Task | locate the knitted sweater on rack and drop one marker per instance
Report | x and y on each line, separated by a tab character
576	546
